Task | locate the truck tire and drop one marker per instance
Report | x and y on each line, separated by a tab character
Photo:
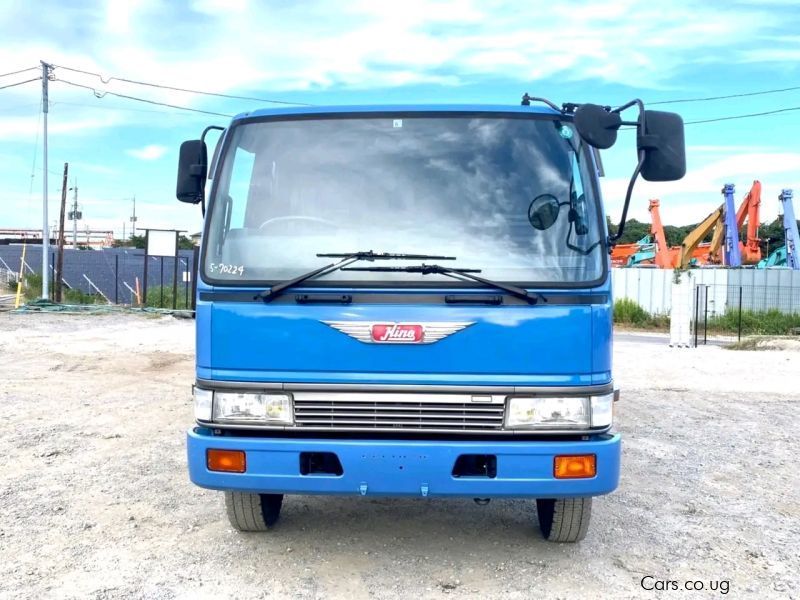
253	512
564	520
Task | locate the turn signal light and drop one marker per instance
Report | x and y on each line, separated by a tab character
230	461
575	467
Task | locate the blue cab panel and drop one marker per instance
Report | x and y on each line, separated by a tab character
550	345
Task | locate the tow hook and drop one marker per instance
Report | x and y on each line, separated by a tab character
482	501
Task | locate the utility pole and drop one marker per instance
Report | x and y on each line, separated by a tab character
133	218
75	215
45	232
60	259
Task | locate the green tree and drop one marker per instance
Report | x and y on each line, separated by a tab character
137	241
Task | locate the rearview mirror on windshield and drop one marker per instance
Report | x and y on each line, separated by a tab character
597	126
192	170
664	146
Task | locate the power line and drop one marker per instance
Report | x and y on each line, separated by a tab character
746	116
177	89
106	93
741	95
10	85
20	71
122	108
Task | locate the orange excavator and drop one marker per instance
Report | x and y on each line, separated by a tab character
622	253
691	251
665	257
749	209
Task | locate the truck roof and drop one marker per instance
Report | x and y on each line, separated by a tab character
381	108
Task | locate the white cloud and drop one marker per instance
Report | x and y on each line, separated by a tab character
149	152
690	199
367	44
25	128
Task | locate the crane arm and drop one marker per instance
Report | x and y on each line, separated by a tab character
662	254
694	237
753	217
790	230
716	241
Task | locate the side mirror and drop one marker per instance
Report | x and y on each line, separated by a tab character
664	146
192	171
597	126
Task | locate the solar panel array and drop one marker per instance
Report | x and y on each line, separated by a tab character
113	270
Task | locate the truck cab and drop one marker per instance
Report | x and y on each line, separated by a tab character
405	301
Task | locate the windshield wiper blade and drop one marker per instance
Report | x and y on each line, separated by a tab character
386	255
455	273
346	259
424	269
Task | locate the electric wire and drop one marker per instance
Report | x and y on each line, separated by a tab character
107	80
745	116
10	85
122	108
20	71
739	95
102	94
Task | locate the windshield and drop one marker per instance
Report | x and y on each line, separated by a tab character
509	196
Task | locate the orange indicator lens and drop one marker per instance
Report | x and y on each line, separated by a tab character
575	467
230	461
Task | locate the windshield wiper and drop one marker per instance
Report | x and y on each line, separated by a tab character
455	273
370	255
347	259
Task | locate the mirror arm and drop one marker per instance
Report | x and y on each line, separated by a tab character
640	126
526	101
612	239
210	128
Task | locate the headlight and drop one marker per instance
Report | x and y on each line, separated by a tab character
235	407
202	404
548	413
560	413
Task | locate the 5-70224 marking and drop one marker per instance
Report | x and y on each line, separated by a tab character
224	269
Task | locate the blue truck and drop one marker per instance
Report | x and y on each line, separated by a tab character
410	301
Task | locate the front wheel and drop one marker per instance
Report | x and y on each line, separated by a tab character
564	520
253	512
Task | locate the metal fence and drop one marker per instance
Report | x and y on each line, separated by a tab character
112	275
651	288
745	310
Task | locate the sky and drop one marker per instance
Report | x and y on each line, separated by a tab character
368	52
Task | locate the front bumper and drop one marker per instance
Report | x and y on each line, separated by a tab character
405	467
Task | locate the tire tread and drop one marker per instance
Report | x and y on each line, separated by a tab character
570	519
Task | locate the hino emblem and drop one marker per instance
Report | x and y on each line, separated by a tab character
398	333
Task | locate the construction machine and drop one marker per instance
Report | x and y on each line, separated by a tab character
750	249
692	241
790	230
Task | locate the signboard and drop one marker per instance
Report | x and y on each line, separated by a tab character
161	243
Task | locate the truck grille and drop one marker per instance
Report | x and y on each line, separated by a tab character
393	414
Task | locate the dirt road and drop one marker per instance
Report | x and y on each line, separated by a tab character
95	500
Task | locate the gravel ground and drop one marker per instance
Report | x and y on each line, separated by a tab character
95	500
